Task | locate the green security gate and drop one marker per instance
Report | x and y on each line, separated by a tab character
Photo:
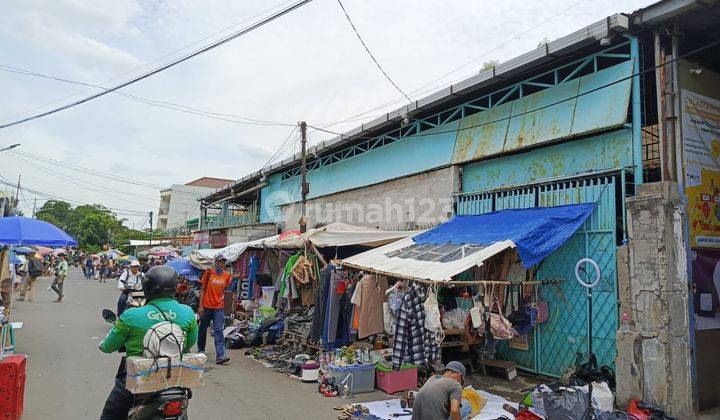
552	345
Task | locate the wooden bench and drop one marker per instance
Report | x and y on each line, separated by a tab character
504	368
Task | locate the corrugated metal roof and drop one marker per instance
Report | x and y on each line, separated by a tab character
548	52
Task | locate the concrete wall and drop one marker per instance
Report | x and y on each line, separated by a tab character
654	359
184	204
251	232
417	201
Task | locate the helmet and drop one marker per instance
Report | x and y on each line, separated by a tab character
160	281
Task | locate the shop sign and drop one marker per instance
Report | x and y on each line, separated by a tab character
701	153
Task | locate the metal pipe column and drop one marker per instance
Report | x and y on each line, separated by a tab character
636	111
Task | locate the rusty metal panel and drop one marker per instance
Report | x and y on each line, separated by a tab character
480	136
607	102
551	121
607	151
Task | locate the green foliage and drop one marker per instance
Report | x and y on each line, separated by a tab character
91	224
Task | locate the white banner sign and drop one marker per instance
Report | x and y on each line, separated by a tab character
701	136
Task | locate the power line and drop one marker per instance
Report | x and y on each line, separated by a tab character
370	53
598	88
151	102
419	91
103	189
157	59
5	181
164	67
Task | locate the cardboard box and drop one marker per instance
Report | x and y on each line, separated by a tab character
151	375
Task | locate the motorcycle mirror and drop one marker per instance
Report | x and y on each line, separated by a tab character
109	316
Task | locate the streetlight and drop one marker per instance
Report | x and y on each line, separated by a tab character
12	146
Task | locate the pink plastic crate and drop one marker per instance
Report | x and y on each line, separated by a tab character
396	381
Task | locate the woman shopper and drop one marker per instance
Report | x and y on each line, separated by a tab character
60	272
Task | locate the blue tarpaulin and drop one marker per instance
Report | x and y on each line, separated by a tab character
536	232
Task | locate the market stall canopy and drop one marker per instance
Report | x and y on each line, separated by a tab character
145	242
18	230
468	241
334	234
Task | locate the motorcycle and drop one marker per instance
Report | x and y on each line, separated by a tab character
166	404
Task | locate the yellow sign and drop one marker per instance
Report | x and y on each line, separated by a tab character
704	209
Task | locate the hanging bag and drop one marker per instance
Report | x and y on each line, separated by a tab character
543	311
500	327
432	312
476	316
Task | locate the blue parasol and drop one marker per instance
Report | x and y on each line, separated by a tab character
183	267
18	230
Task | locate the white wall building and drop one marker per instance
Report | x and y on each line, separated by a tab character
179	202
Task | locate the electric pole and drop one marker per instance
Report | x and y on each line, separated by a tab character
151	230
34	207
17	196
305	188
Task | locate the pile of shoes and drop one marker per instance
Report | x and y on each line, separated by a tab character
352	411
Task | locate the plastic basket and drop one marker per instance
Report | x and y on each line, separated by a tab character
363	376
392	381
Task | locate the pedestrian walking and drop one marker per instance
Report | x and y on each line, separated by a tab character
96	267
60	272
89	268
212	308
33	269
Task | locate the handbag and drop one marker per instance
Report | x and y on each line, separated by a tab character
543	311
500	327
476	317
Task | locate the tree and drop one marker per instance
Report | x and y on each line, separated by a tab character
92	225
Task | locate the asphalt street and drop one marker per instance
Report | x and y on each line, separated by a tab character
69	378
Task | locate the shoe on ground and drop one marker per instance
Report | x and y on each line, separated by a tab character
222	361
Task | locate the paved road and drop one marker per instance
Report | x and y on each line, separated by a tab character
69	378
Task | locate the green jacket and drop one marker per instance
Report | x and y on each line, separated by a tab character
130	329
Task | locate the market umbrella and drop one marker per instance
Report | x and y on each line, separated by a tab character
43	250
18	230
183	267
24	250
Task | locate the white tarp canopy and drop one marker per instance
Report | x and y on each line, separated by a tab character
378	261
334	234
143	242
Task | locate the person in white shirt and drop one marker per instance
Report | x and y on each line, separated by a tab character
128	280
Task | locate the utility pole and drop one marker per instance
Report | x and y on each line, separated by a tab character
151	230
305	186
34	207
17	196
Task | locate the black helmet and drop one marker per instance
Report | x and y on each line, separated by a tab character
160	281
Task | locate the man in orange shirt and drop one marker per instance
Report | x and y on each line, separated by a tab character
211	308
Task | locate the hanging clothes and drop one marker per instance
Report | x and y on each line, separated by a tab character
321	293
337	321
371	296
253	266
414	344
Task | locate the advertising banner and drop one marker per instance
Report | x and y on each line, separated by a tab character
701	154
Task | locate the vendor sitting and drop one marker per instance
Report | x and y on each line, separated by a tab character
441	396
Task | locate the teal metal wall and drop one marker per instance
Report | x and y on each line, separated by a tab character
597	153
498	184
410	155
573	108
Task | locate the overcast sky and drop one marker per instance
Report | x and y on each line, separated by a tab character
307	65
